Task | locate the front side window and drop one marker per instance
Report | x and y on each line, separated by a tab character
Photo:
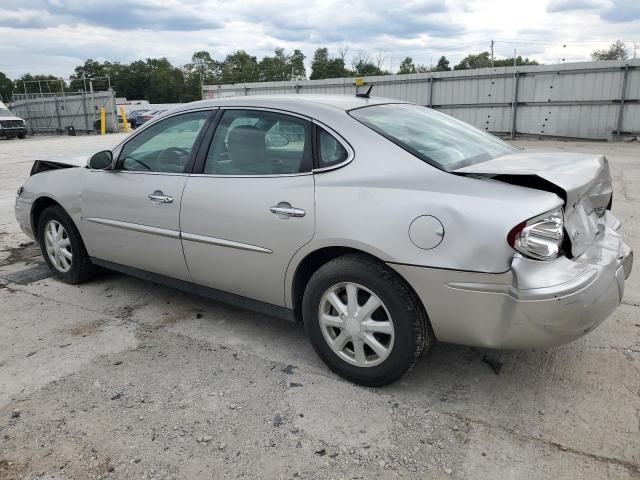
432	136
165	146
253	142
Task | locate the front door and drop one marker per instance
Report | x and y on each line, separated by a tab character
131	215
251	207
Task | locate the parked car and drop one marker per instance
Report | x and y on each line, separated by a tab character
10	125
133	116
383	226
146	116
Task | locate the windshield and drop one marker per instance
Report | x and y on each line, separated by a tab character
4	111
434	137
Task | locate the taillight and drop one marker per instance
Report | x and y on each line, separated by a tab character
539	237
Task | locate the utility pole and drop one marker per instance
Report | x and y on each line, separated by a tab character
492	43
514	58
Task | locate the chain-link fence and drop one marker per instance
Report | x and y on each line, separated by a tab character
62	112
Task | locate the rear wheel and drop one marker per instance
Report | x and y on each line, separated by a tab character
22	136
62	247
364	321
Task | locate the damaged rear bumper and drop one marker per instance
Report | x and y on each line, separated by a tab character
535	304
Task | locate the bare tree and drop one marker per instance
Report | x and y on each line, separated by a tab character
342	53
360	58
616	51
379	60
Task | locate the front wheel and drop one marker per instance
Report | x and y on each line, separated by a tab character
62	246
364	321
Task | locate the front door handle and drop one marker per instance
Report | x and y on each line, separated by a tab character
286	210
160	197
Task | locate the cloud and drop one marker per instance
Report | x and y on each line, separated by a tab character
57	35
115	14
622	11
25	19
555	6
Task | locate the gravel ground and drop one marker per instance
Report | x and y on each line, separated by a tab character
120	378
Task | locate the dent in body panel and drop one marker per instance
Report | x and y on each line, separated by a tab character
64	186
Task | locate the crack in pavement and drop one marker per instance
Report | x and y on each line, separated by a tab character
549	443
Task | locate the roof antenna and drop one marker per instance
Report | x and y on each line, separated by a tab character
365	95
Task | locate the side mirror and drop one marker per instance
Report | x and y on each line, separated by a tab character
276	140
101	160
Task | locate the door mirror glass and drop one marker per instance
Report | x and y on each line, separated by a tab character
101	160
276	140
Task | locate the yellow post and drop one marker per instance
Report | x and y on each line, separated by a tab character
124	120
103	121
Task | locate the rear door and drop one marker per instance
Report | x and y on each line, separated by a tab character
131	215
249	206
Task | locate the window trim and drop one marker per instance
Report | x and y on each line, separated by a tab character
203	152
316	144
213	111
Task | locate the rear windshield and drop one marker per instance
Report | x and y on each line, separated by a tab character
434	137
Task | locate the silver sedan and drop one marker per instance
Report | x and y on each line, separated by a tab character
381	225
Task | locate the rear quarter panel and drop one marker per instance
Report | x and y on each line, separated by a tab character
370	203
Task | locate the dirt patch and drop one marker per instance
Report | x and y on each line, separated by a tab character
10	470
86	329
25	252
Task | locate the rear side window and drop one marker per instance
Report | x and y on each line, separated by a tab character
256	142
330	150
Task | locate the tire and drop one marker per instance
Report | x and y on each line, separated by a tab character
80	267
22	136
402	328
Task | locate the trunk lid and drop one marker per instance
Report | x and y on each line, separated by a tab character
583	181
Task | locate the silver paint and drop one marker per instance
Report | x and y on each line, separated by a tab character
475	288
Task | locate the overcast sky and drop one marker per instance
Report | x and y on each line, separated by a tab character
54	36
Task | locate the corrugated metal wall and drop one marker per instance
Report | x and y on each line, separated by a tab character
595	100
53	113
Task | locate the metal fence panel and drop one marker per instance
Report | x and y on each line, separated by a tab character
597	100
55	113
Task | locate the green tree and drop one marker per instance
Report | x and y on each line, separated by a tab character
442	65
407	66
38	83
478	60
205	68
240	67
508	62
282	66
362	68
166	82
323	66
616	51
273	69
6	88
298	69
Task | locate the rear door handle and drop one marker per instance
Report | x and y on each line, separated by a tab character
160	197
287	211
